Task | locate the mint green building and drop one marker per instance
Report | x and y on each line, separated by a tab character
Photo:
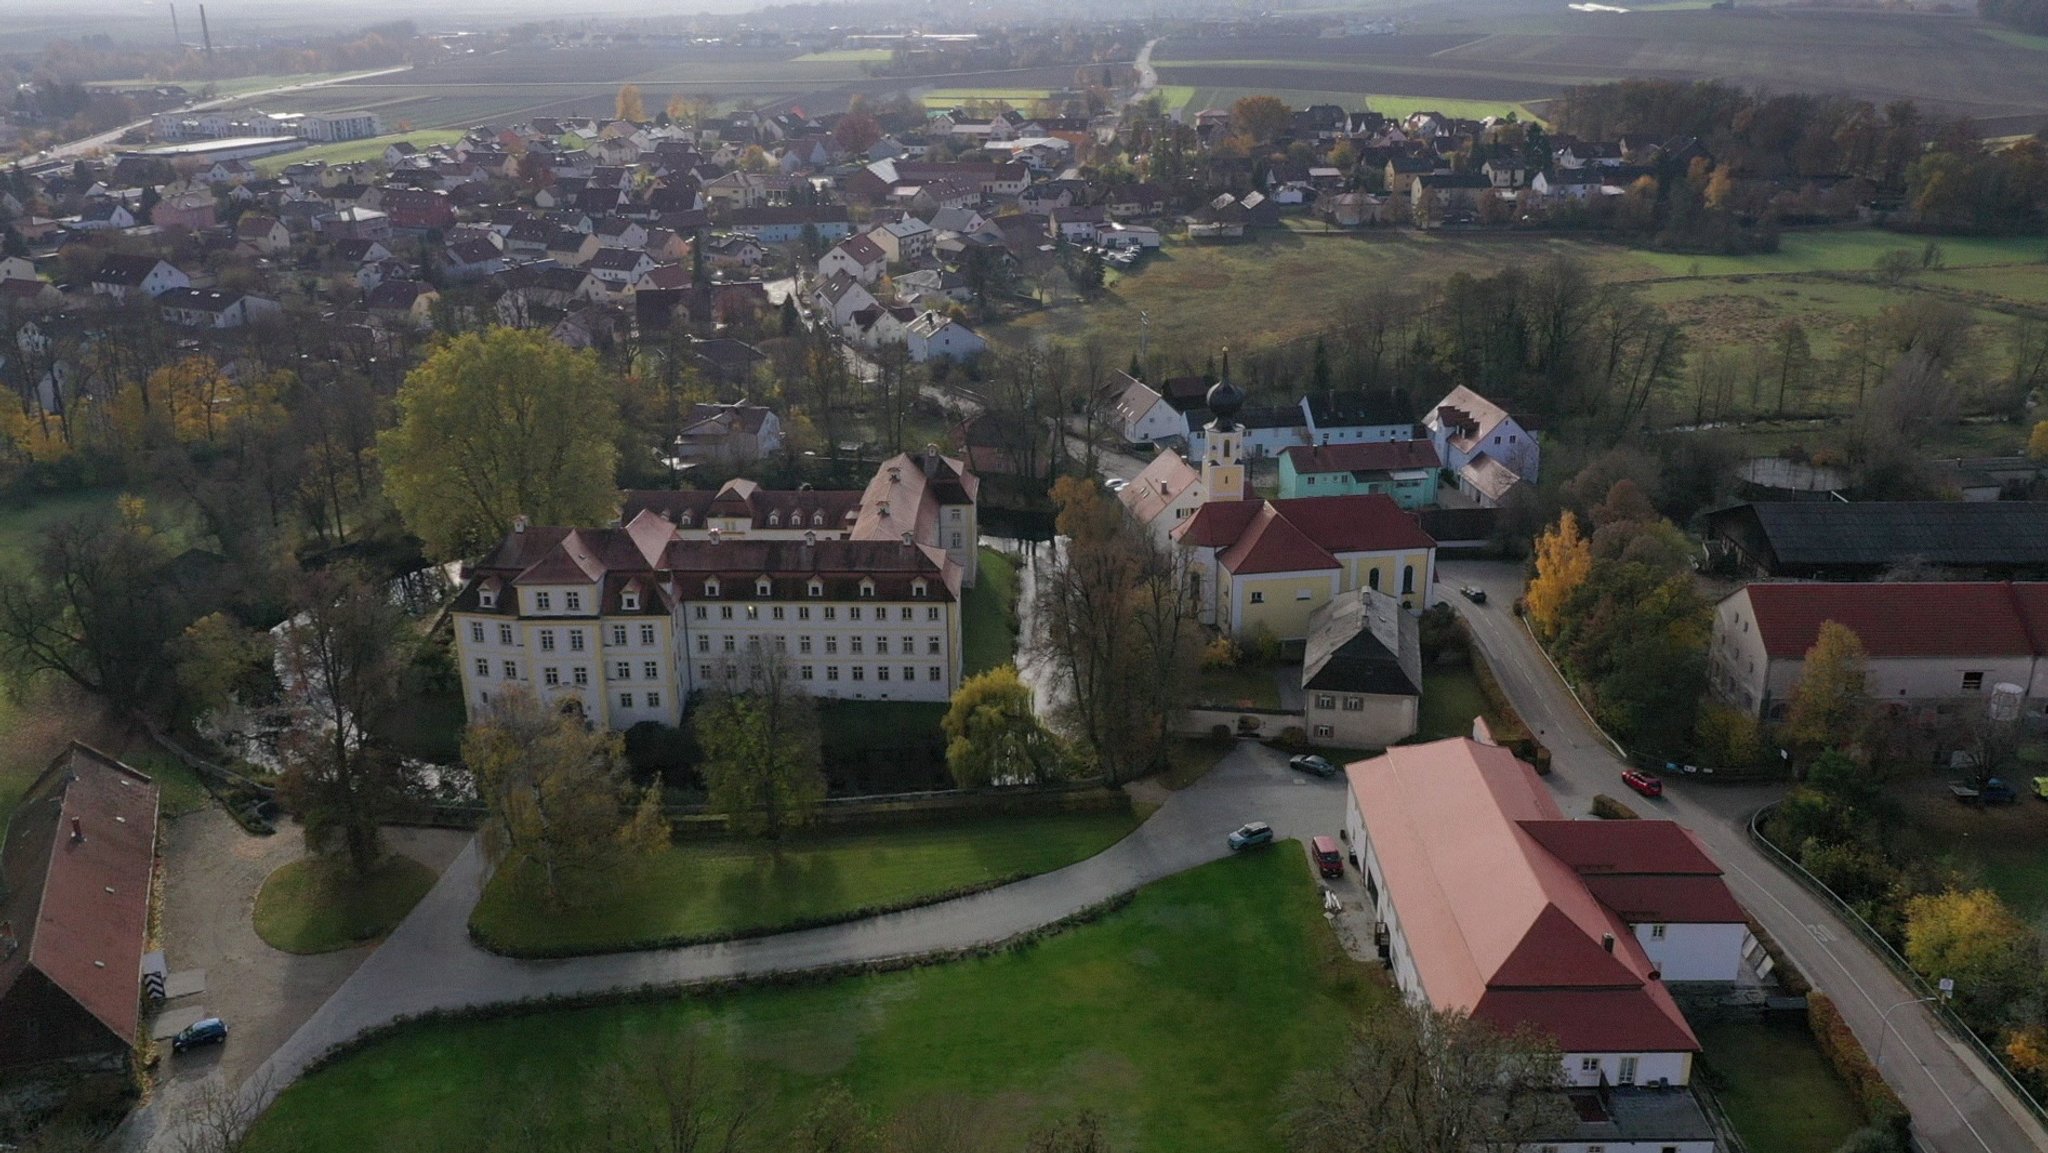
1406	470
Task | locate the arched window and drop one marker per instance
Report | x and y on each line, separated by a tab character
1372	577
1407	579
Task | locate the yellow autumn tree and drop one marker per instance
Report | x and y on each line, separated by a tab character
631	106
1564	558
1833	698
2037	442
1975	939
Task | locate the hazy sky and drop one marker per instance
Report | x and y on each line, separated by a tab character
136	18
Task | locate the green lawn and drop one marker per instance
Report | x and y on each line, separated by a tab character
318	906
1015	97
989	615
1776	1087
356	151
1239	686
1179	1019
1451	697
845	56
705	890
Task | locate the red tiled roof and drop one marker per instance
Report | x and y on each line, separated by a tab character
1271	543
1643	1020
1905	619
1298	535
1362	522
1593	847
1375	456
1693	900
80	909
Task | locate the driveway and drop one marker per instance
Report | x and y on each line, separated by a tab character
430	962
1958	1104
212	873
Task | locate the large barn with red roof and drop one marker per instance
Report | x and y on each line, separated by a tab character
1927	643
1491	903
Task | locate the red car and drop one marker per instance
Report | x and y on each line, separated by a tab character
1642	782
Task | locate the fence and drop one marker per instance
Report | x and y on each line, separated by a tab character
1891	957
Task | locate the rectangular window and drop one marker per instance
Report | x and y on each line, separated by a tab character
646	634
725	612
547	640
803	644
651	670
504	634
1325	701
1354	704
703	643
622	671
776	612
881	672
903	614
574	601
803	673
1304	594
625	700
937	674
882	646
619	634
653	700
702	612
831	672
729	644
550	676
860	672
1656	932
1589	1064
511	671
703	672
575	640
476	631
832	612
541	601
853	614
483	667
909	672
931	646
855	645
932	613
831	644
1258	598
803	612
580	675
1973	682
753	612
1325	731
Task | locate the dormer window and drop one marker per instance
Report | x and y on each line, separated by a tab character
818	519
686	520
917	589
867	589
817	588
487	598
629	601
762	587
711	588
774	520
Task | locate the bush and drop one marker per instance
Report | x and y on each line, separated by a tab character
1872	1139
1222	734
1292	739
1852	1063
1221	653
658	752
1725	737
1608	809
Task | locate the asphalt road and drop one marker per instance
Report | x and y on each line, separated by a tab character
105	140
1958	1103
430	963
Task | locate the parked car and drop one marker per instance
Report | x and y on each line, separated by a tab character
1473	593
1642	782
1116	484
1329	861
205	1031
1250	835
1311	763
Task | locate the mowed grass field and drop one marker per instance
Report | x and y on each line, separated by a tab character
1288	286
1179	1019
356	151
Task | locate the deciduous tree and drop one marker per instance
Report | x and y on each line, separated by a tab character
1832	702
992	735
763	758
1974	938
1258	119
496	425
630	104
1564	559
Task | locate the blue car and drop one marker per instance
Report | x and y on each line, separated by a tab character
206	1031
1254	834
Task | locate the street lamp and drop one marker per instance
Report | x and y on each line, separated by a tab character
1947	986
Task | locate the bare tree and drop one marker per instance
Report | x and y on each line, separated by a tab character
697	1105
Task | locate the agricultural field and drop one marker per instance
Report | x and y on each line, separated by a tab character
355	151
1957	65
1287	287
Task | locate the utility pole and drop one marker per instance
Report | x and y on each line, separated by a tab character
206	36
176	36
1144	338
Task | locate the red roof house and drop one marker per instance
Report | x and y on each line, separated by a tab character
74	910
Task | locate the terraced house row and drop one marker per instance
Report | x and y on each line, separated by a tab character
852	594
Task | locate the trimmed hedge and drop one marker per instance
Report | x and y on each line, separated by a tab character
1608	809
684	940
1852	1063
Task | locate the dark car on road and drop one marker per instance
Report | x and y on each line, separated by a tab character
1251	835
1643	782
1329	861
205	1031
1311	763
1473	593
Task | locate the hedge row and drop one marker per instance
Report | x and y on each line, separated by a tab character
1608	809
662	991
1852	1063
684	940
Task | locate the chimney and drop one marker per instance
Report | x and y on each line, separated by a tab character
882	508
711	534
908	540
931	460
519	523
895	475
1607	941
77	832
810	538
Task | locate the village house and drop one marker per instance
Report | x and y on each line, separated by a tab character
858	257
1361	672
1490	451
1165	492
1405	470
1142	415
728	436
936	336
840	296
1358	416
192	211
786	225
908	239
121	275
1932	648
1864	540
207	308
619	269
266	234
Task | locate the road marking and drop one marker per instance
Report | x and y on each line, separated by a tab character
1821	933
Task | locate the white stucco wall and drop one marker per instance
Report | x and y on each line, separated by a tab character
1589	1068
1695	952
